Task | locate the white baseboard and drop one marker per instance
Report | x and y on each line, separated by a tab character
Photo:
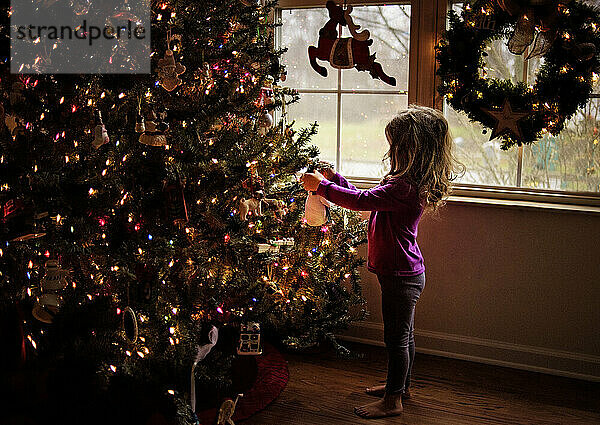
481	350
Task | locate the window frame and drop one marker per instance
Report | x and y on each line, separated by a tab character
428	22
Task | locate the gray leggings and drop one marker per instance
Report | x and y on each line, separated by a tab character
399	295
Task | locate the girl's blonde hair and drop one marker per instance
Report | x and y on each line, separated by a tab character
421	153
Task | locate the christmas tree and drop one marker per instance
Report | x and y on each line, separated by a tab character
139	211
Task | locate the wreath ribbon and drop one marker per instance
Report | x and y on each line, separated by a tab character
535	24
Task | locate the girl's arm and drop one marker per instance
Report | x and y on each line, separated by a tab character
340	180
387	197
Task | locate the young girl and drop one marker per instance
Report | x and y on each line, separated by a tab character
422	167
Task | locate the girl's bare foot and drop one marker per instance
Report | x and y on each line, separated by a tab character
389	405
379	391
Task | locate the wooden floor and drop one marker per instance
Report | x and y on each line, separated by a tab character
323	389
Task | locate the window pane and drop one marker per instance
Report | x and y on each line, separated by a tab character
320	108
534	66
389	27
501	63
485	162
364	118
300	29
570	161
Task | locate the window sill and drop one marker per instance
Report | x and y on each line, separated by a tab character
519	204
515	198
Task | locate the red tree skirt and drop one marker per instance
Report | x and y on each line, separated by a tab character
272	376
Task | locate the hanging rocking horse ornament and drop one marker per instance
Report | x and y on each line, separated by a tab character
345	52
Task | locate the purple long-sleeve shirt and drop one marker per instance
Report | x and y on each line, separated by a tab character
395	215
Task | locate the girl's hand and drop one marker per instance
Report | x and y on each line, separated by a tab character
326	169
311	181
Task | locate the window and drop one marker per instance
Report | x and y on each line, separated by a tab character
567	162
350	107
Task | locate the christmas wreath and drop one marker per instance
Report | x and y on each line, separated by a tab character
566	34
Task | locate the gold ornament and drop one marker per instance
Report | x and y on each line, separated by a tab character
168	69
153	134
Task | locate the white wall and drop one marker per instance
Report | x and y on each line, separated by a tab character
511	286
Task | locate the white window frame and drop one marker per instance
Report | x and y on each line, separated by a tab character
428	21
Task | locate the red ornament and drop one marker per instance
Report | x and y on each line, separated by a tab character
347	52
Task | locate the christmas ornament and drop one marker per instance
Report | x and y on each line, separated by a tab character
275	246
175	203
15	125
277	205
203	350
119	17
265	102
153	134
227	410
139	124
316	210
347	52
204	75
265	122
252	206
507	121
81	7
54	278
563	82
169	70
130	325
254	184
48	303
249	344
100	133
21	222
46	307
265	98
